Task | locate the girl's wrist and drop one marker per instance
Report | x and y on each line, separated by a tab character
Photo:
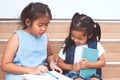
71	67
53	62
30	71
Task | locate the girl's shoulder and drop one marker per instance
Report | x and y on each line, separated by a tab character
99	45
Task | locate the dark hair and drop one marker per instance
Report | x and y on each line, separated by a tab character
82	22
34	11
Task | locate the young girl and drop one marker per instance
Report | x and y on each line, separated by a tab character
27	49
84	32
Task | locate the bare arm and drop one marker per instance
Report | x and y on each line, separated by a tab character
51	59
7	64
63	65
50	56
8	56
100	63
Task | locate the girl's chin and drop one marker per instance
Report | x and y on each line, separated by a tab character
77	44
38	35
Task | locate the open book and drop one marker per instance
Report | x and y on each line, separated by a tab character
92	56
51	75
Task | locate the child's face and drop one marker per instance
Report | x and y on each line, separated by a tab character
78	37
39	26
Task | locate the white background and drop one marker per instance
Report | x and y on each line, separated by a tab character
64	9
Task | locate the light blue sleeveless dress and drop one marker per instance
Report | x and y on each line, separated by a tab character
32	52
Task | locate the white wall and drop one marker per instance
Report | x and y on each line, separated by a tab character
64	9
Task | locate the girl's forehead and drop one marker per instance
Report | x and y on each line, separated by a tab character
43	19
78	33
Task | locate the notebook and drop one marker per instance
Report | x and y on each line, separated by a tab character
92	56
51	75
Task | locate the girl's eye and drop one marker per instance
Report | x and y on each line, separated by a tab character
46	24
76	38
40	25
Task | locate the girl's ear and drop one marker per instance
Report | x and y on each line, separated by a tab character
28	22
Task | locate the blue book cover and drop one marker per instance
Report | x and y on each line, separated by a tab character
92	56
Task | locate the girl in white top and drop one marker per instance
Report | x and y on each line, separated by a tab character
84	32
78	52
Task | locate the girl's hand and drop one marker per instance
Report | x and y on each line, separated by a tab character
76	67
39	70
53	66
83	63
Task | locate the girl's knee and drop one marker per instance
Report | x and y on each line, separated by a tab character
94	78
78	79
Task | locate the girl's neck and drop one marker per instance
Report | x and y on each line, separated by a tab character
27	30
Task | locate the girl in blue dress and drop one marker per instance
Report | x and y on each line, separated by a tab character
28	49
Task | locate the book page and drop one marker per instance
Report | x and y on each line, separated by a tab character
52	75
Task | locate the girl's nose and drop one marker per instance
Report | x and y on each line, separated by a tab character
43	28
